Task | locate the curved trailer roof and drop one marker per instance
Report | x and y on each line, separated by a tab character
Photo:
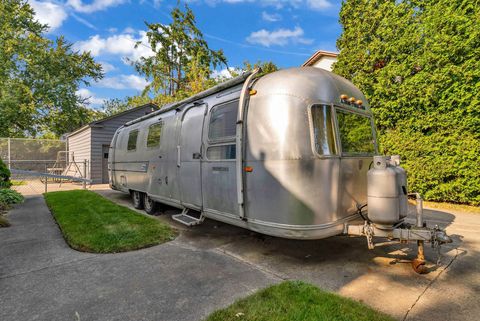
227	84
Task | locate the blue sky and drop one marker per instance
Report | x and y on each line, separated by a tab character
286	32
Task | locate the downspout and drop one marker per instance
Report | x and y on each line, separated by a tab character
244	95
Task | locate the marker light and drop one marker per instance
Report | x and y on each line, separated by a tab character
359	102
248	169
343	97
252	92
351	100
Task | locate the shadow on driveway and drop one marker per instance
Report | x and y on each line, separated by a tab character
41	278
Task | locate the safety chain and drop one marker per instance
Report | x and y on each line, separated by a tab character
368	231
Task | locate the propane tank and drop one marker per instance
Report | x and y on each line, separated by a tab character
387	191
402	185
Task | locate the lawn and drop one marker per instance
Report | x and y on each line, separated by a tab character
297	301
91	223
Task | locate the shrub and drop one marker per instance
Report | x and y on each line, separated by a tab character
9	197
4	175
417	64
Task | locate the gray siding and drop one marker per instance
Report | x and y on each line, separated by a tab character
101	133
79	144
103	136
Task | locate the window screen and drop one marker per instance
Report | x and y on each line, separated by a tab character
355	133
223	121
323	130
221	152
132	140
154	133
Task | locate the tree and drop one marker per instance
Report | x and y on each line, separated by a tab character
417	63
182	59
266	66
116	105
39	77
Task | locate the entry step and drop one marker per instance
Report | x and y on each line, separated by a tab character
186	219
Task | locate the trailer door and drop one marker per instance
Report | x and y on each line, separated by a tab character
189	156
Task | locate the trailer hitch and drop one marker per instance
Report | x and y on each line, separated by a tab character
405	233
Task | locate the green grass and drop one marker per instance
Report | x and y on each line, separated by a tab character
297	301
91	223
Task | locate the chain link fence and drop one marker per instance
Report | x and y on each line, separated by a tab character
42	165
34	183
13	150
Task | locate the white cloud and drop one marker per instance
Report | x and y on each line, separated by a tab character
121	44
225	73
83	21
49	13
84	93
312	4
124	82
319	4
106	66
96	5
279	37
129	30
271	17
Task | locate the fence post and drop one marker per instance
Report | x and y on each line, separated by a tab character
46	178
9	153
84	174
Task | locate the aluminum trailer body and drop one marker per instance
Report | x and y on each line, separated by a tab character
287	164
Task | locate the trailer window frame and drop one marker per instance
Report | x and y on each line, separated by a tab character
363	113
137	131
211	113
335	150
229	144
160	123
219	142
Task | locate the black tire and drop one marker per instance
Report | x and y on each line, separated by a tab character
137	199
150	206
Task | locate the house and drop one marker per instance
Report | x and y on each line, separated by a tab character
92	141
321	59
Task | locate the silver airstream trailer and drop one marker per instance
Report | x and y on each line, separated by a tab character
289	154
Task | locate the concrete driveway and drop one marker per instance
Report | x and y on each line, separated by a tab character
209	266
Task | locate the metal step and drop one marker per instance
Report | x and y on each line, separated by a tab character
186	219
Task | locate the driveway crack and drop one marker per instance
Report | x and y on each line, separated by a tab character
47	267
429	285
254	265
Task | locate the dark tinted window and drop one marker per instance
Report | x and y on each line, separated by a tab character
154	133
132	140
323	130
221	152
355	133
223	121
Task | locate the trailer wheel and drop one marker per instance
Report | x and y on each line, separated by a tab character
137	199
151	206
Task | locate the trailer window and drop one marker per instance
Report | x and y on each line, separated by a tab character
132	140
356	134
154	133
221	152
323	130
223	121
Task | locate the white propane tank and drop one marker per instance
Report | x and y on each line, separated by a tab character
387	191
402	185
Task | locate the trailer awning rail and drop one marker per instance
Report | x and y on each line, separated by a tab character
224	85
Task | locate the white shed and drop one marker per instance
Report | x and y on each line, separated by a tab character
92	141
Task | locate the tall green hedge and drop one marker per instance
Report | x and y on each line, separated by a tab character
418	63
